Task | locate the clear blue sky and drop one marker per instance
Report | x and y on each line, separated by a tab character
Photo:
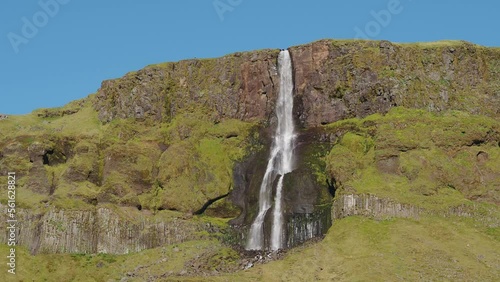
80	43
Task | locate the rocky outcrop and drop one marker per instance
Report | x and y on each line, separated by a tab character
335	80
381	208
371	206
302	227
102	230
241	85
299	227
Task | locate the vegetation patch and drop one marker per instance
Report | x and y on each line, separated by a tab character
434	161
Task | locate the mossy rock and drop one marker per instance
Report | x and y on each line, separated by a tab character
408	155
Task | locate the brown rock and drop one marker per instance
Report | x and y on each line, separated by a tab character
239	86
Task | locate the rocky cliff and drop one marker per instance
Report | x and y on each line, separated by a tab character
101	230
344	79
379	208
416	124
334	80
240	86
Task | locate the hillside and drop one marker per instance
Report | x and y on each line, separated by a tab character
157	173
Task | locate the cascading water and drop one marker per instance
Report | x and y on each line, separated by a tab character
280	162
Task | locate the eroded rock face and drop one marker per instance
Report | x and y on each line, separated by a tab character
84	165
241	85
306	203
128	170
335	80
247	178
372	206
101	230
382	208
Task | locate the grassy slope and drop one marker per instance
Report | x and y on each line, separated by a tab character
22	131
360	249
102	267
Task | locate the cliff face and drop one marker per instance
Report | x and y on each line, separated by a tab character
371	206
178	136
240	86
345	79
334	80
101	230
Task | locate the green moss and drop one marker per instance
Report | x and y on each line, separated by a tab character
388	72
313	157
15	163
434	161
341	163
197	165
25	198
430	160
368	58
356	143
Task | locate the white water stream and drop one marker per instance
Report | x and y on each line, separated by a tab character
280	163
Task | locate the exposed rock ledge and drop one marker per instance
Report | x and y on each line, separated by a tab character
371	206
101	230
380	208
124	230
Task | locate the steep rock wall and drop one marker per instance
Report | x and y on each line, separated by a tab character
101	230
381	208
335	80
371	206
241	85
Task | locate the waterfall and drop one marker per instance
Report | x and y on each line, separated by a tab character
280	162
